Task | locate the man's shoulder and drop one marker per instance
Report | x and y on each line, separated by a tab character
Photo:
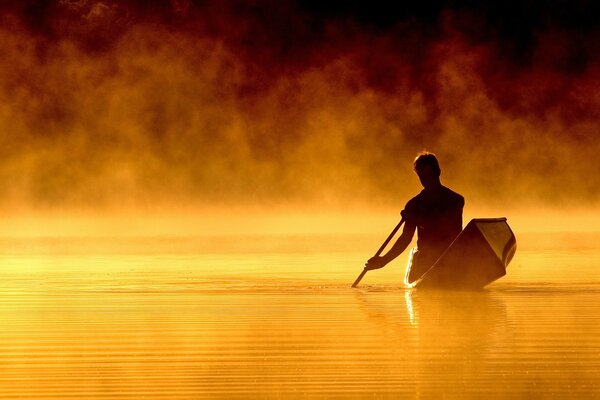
415	199
446	195
453	196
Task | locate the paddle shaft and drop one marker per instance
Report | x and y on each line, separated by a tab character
364	271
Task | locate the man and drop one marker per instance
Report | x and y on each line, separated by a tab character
436	214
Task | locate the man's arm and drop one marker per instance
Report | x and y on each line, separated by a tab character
397	249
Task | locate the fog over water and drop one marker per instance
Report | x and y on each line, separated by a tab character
188	189
119	105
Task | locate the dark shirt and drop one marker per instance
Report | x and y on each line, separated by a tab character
437	214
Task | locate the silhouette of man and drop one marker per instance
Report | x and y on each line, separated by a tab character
436	214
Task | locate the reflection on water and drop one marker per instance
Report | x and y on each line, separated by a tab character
160	319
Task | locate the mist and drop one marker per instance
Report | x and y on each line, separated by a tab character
116	105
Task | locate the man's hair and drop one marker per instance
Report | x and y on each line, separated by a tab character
426	158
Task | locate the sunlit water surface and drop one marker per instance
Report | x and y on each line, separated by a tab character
274	317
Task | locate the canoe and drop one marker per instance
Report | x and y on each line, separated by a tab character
478	256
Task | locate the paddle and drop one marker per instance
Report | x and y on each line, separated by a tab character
364	271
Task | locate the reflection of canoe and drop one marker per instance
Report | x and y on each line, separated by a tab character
478	256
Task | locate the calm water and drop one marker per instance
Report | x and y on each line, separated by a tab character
274	317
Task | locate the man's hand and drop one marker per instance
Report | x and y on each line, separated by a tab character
375	263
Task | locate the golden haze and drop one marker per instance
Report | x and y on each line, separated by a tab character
159	119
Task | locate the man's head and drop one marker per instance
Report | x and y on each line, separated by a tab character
428	169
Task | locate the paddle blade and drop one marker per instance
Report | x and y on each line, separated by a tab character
364	271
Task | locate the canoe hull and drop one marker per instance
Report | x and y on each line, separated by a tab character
478	256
